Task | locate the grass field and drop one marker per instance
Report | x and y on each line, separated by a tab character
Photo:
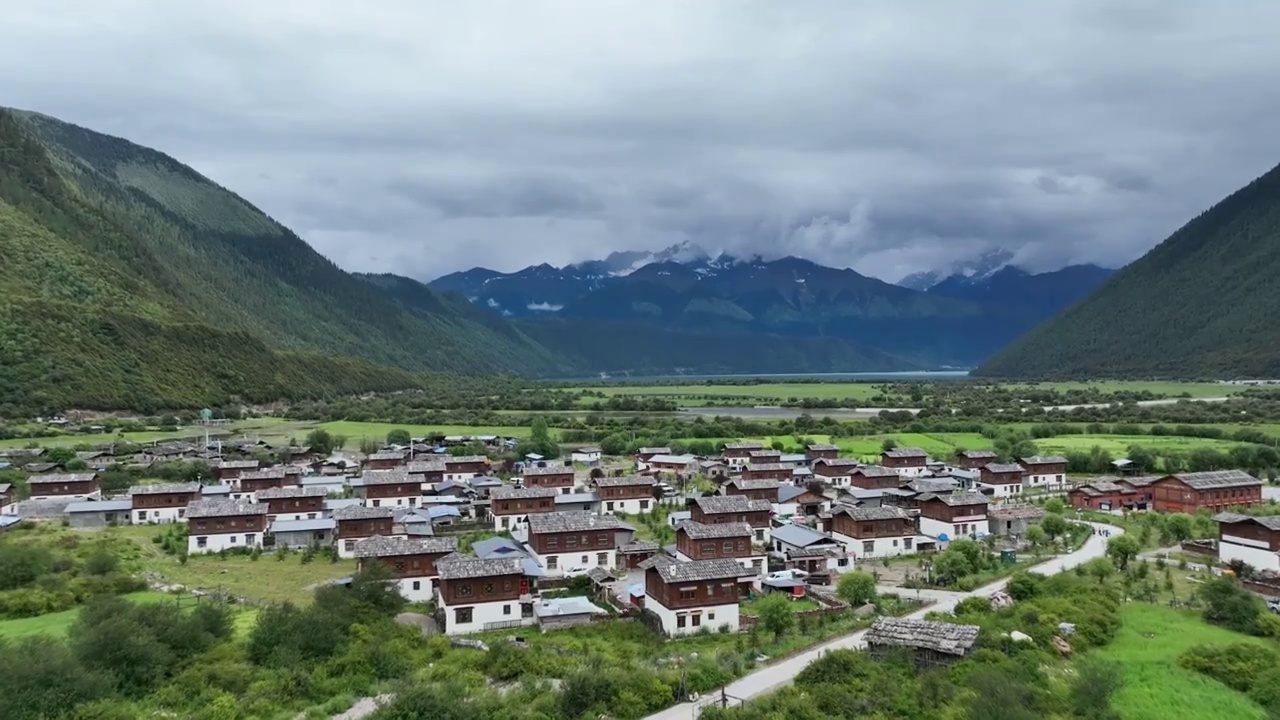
1155	686
354	431
1169	389
1119	444
264	426
56	624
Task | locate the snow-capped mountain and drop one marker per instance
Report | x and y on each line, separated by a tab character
975	270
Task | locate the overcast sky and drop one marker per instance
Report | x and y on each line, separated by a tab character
424	137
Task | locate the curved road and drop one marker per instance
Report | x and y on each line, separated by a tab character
773	677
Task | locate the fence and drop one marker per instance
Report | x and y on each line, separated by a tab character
1201	547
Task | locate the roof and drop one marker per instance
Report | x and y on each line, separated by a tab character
485	481
560	607
387	455
755	483
440	511
548	471
769	467
588	450
224	508
1270	522
209	490
461	568
624	481
964	498
867	514
316	525
166	489
387	477
515	493
418	467
574	498
639	546
978	454
1004	468
672	459
276	493
698	531
1138	480
383	546
700	570
238	465
1017	512
743	446
360	512
271	473
764	453
731	504
91	506
876	471
654	451
906	452
943	637
836	462
497	547
5	487
787	493
821	447
62	478
560	522
1044	460
799	535
466	459
922	485
1217	479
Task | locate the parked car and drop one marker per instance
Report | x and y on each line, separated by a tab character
577	571
788	575
1273	604
820	578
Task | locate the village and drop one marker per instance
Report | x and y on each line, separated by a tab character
747	522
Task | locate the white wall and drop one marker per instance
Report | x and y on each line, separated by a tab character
514	522
569	559
423	593
1034	480
838	481
1002	490
978	526
460	476
215	543
881	547
629	507
1252	552
311	515
394	502
96	495
724	615
159	515
482	613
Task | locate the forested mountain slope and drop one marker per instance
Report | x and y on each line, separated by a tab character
1203	303
129	280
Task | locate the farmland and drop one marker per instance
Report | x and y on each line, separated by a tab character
56	624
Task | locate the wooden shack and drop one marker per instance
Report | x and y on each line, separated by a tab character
933	643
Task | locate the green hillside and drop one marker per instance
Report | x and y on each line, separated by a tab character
1203	303
129	280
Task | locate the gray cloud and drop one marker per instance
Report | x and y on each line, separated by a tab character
423	138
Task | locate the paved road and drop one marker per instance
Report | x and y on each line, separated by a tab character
773	677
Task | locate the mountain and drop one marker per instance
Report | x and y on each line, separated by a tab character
128	280
976	269
1039	296
1203	303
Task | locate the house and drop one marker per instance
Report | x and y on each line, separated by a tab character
1141	487
426	472
875	477
215	525
1002	479
713	469
685	597
357	522
483	485
566	612
1215	490
299	534
1012	521
821	451
1103	495
756	489
767	471
729	541
737	454
1253	540
792	501
465	467
389	488
36	468
512	506
579	502
644	454
717	509
908	497
65	486
561	479
386	460
811	550
329	484
1045	470
764	457
836	472
976	459
411	561
476	595
98	513
631	494
6	496
872	532
562	541
955	515
229	471
678	465
589	456
250	482
162	503
908	461
932	643
635	552
293	503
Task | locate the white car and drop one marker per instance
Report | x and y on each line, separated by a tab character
788	575
577	571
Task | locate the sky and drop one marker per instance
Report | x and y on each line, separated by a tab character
423	137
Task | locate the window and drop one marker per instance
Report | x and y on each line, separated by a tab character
687	593
727	546
680	620
906	543
895	542
377	503
708	548
571	541
505	523
711	616
417	585
697	619
552	543
232	539
609	506
202	541
489	588
868	547
552	562
602	540
464	591
583	560
755	564
399	566
602	559
351	545
462	616
644	504
506	609
842	562
250	538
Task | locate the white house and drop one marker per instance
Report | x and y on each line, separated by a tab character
215	525
809	548
680	465
1249	539
955	515
389	488
562	541
587	456
162	503
690	596
631	494
873	532
476	595
729	541
510	507
1043	470
412	561
836	472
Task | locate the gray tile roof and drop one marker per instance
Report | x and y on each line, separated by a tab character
931	486
90	506
768	467
764	453
978	454
755	484
1044	460
535	471
654	451
576	498
731	504
166	489
948	638
1215	479
560	522
224	508
701	570
61	478
964	498
800	536
316	525
383	546
821	447
624	481
906	452
639	546
1004	468
842	463
1270	522
497	547
787	493
238	464
514	493
360	512
277	493
388	455
743	446
461	568
387	477
698	531
1017	512
271	473
420	467
872	471
868	514
465	459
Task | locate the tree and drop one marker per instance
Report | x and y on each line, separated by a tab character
1054	526
774	611
1095	683
1037	536
369	446
399	436
21	565
1100	569
1230	606
1142	458
856	588
888	444
40	678
1178	527
320	441
1055	506
1122	549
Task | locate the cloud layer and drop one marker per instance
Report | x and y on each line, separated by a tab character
422	138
